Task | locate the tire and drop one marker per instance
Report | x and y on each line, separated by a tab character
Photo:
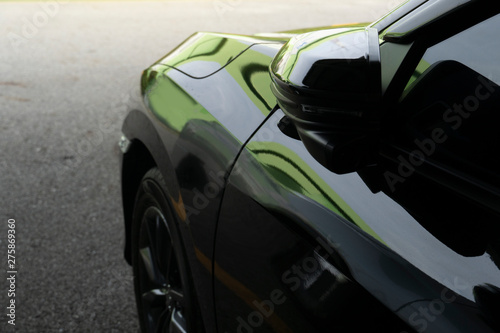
162	284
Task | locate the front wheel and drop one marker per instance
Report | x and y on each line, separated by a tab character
161	281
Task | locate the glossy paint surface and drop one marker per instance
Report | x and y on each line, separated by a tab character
281	201
275	241
202	125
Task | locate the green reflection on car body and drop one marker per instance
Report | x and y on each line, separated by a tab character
165	91
286	167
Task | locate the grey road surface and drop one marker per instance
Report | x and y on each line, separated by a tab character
65	72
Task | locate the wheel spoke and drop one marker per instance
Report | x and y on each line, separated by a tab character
155	297
149	251
177	323
174	297
160	285
163	246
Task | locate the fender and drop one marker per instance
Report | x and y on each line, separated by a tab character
191	115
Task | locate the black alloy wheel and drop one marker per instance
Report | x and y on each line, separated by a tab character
161	281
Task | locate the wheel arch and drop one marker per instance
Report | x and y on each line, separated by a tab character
145	151
135	163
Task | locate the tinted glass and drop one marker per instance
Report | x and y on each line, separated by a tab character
476	48
453	99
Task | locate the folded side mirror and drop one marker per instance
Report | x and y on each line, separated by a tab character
328	83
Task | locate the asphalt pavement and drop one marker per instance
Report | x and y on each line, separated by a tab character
66	68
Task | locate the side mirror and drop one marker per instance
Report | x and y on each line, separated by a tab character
328	83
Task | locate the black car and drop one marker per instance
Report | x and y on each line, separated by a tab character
341	179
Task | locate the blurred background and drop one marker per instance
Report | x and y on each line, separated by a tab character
66	68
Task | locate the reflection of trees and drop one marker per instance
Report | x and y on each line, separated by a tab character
247	72
202	49
297	176
310	181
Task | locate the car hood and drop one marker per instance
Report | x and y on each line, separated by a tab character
205	53
291	33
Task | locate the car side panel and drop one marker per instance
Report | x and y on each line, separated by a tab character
186	124
300	248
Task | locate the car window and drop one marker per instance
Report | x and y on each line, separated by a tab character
452	100
476	47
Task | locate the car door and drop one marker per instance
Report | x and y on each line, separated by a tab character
299	248
294	240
